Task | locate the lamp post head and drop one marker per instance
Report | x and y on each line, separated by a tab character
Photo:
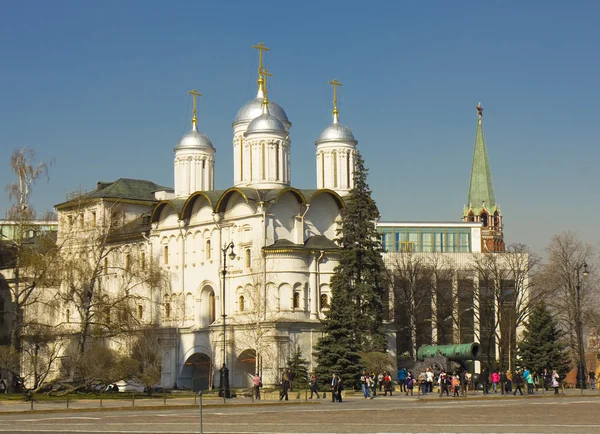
232	255
585	270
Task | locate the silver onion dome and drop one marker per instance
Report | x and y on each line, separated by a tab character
254	108
266	122
194	140
336	132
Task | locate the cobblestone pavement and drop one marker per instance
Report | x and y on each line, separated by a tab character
382	415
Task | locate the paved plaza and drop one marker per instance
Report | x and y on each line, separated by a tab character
539	414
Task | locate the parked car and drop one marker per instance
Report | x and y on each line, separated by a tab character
129	386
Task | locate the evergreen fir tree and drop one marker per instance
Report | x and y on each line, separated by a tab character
298	366
354	322
543	346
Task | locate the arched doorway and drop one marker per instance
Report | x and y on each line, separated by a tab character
196	372
245	369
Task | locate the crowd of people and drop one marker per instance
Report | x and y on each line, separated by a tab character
459	383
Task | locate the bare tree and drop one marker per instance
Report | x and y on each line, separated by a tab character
43	346
107	281
506	293
424	301
146	349
256	323
34	260
560	277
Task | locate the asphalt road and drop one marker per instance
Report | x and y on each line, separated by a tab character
538	415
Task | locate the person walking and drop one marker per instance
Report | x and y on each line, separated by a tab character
455	386
592	377
333	386
422	383
257	384
554	381
364	384
409	383
402	373
388	386
466	381
374	380
429	378
485	380
495	380
339	388
529	380
443	383
380	378
546	379
518	381
508	381
285	383
314	388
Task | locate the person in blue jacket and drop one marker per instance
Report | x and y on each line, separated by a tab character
402	374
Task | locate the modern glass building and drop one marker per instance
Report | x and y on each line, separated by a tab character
430	237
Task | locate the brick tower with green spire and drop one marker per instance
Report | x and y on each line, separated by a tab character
482	206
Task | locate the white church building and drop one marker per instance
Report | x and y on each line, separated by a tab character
274	242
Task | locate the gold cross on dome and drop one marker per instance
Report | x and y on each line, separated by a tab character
335	85
194	94
260	47
266	74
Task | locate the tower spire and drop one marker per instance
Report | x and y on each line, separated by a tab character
261	84
335	112
194	94
482	206
481	191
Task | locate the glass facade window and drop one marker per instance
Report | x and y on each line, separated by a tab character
426	239
386	240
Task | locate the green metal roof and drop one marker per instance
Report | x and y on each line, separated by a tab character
481	190
122	188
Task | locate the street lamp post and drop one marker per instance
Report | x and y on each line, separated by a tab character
224	390
581	371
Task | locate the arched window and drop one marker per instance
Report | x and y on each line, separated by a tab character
277	162
471	217
324	299
296	300
335	169
140	311
68	315
127	262
211	308
143	260
105	265
263	165
167	310
241	303
207	250
241	159
189	306
166	255
484	219
497	220
248	258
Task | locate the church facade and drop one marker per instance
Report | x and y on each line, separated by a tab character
248	268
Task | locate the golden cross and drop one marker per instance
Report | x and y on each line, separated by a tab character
260	47
194	94
266	74
335	84
479	111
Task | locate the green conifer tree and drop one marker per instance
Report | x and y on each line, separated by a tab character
543	346
354	322
298	366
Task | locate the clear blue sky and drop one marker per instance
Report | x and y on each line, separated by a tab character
102	87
